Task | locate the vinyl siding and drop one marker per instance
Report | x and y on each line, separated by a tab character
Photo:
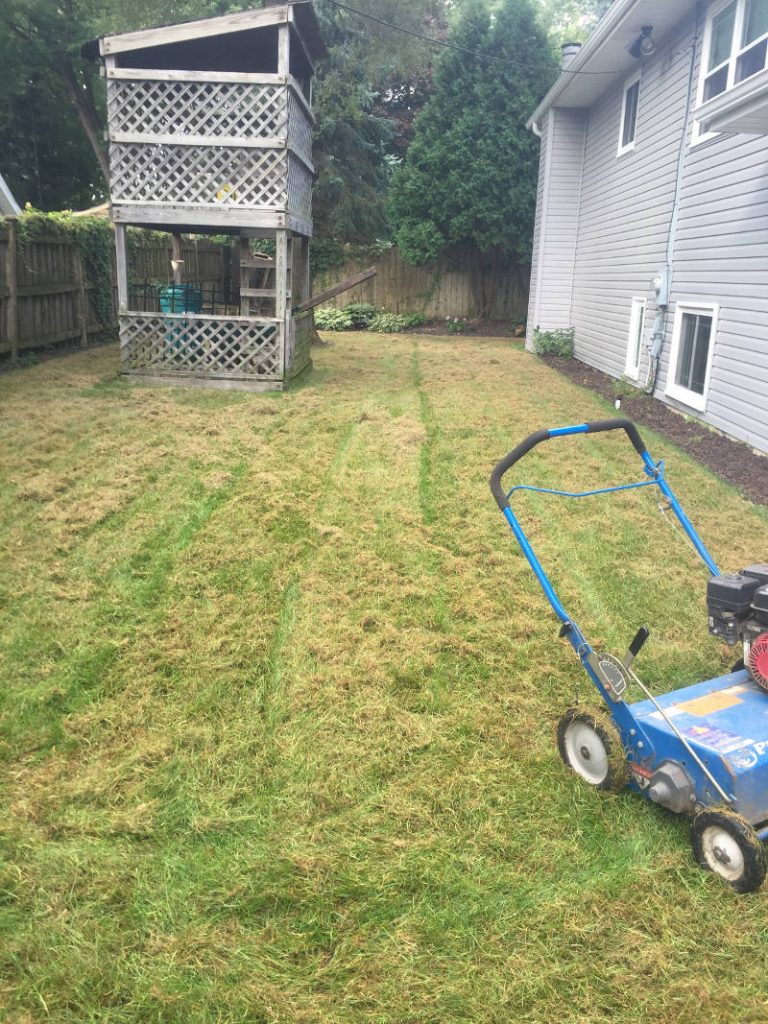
626	207
557	219
720	252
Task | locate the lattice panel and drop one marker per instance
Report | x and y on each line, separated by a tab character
199	174
197	108
299	128
299	189
202	345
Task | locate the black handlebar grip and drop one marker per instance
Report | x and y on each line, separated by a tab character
545	435
619	424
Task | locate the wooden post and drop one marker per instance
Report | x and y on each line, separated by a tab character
121	266
82	305
177	258
11	278
282	308
284	50
244	280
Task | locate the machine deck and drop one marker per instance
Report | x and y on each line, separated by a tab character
725	720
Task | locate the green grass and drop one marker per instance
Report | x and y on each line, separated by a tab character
278	694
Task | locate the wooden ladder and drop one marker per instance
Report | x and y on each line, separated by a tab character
258	274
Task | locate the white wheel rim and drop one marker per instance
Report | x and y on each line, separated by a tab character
723	853
586	753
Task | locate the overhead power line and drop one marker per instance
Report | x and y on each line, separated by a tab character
454	46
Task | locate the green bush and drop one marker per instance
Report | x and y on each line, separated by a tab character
391	323
454	325
361	314
328	318
554	343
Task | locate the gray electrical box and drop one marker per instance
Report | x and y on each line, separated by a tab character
660	286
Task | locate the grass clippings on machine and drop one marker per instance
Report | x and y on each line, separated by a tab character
701	751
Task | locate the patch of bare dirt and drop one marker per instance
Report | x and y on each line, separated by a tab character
733	461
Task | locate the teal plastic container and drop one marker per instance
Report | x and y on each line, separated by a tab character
181	298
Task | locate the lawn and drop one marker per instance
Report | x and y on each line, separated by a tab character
278	698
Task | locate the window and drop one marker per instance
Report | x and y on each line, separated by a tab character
635	340
629	115
736	46
693	342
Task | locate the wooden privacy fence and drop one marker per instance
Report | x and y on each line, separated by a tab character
437	291
46	298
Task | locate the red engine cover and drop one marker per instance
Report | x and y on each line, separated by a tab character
758	660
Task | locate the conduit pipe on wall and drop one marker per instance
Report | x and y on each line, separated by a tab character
659	328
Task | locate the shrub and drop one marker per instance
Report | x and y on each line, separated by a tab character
361	314
328	318
554	343
391	323
454	325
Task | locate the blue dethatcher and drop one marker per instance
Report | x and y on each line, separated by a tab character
701	751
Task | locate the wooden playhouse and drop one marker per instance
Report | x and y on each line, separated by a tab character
210	132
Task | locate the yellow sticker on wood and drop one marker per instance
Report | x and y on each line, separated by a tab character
711	702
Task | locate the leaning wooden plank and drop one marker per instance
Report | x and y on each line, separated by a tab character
330	293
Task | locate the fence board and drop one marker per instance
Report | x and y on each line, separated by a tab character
437	291
45	300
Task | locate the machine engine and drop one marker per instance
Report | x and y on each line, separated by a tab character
737	606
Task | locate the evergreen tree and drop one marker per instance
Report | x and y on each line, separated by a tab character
361	108
469	177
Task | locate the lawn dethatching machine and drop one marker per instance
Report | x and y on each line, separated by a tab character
701	751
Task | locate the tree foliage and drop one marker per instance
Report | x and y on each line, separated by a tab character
571	20
470	175
366	96
52	97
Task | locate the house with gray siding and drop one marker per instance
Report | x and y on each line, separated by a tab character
651	236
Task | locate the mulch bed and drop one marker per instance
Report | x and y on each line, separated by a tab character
733	461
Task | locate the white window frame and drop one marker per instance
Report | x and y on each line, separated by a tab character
638	310
634	80
700	134
692	399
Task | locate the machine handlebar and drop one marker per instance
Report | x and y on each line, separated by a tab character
544	435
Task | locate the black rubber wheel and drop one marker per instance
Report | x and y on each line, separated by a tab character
726	843
590	745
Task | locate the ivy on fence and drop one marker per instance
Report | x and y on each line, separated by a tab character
94	241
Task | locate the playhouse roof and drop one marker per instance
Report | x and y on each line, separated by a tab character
298	13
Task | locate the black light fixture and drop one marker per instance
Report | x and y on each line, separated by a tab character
644	45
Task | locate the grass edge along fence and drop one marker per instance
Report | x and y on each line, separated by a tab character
57	277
